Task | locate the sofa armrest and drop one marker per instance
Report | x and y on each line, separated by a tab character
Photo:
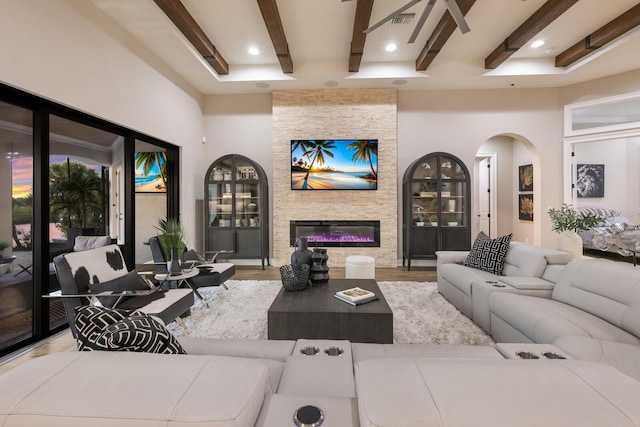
624	357
451	257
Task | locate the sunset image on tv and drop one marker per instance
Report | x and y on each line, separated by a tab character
334	164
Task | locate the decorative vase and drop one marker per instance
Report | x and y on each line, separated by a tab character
570	241
173	265
302	255
319	267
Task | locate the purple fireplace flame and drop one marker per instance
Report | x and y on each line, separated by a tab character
336	233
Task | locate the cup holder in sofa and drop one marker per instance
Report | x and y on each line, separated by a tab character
333	351
527	355
553	355
309	351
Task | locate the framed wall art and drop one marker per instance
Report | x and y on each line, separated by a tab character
590	180
525	178
525	207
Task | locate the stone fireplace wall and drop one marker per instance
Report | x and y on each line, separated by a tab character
336	114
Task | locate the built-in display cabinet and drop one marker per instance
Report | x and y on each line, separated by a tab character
436	207
237	209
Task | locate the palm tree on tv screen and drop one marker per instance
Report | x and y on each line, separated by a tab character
317	149
147	161
365	151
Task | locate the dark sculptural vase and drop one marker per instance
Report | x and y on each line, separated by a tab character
319	267
302	255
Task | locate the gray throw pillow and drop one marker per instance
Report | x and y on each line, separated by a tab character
488	254
129	282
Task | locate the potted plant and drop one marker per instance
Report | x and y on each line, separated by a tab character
3	245
567	222
428	189
418	220
171	236
433	219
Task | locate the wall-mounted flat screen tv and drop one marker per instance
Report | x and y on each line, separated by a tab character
334	164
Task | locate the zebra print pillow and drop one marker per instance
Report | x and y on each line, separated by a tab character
101	328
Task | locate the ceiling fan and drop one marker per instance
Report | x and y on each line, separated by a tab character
452	5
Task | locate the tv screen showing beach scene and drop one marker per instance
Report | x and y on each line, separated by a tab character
150	175
334	164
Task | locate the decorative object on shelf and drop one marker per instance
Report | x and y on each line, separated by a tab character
428	189
590	180
302	255
252	207
295	277
433	219
171	236
217	174
567	222
451	205
319	267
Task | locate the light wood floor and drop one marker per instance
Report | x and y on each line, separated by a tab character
64	341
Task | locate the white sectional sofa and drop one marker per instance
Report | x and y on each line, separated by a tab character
528	270
262	383
593	313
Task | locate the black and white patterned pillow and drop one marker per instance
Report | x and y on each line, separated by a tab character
91	320
488	254
101	328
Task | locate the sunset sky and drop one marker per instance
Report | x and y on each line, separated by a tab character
22	172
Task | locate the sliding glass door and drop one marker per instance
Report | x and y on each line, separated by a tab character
16	224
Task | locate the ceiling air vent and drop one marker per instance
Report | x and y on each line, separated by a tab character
403	19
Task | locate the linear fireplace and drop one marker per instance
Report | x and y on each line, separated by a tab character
336	233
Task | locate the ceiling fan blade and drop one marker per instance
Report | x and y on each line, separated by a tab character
421	21
457	15
391	16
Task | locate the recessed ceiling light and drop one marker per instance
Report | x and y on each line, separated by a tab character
390	47
331	83
262	85
254	51
399	82
537	43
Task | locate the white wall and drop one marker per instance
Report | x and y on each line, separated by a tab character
621	185
67	51
459	122
239	124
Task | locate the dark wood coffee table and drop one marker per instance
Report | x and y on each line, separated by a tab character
315	313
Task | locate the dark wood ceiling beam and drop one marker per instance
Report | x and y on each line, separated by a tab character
359	37
545	15
446	26
602	36
271	17
182	19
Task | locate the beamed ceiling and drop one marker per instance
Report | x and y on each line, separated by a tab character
311	44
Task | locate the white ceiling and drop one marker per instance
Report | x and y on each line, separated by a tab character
319	34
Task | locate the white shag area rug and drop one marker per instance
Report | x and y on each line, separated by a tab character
420	314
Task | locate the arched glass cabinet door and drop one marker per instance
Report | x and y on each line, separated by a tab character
436	206
236	209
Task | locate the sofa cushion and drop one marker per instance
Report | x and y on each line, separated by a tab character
101	328
543	320
138	332
607	289
488	254
90	321
107	389
430	392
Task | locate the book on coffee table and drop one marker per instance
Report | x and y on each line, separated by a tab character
356	296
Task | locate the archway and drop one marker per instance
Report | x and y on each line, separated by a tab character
499	199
